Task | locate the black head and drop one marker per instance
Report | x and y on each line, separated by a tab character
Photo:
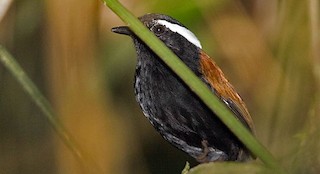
167	29
175	35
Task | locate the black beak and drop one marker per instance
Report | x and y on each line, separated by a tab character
122	30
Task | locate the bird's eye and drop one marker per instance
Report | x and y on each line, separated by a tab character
158	29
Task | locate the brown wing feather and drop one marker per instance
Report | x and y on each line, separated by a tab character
217	80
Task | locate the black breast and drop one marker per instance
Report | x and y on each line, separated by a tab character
174	110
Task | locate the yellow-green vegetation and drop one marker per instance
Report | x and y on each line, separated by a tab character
268	50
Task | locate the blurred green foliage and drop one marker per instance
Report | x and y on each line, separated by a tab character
268	49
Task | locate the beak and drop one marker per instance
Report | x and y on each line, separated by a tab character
122	30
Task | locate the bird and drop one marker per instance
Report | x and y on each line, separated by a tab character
172	108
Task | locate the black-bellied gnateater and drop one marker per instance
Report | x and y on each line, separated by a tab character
172	108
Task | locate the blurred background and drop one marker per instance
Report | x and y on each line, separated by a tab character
269	50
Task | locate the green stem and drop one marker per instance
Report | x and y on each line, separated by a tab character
194	83
16	70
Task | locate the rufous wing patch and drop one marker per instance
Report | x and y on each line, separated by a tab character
221	85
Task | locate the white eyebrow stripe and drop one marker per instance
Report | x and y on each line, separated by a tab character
182	31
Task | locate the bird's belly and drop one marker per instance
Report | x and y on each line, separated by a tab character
165	100
179	115
160	104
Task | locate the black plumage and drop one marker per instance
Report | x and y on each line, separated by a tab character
172	108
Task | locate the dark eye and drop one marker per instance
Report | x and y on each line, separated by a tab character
158	29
